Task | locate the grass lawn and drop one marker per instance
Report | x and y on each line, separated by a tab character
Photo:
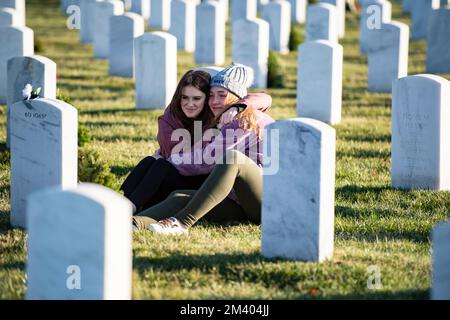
375	225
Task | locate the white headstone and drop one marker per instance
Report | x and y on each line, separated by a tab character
420	11
104	10
44	144
160	14
14	42
212	70
19	6
298	11
319	81
8	17
123	30
182	24
79	244
438	44
243	9
388	56
262	3
156	70
340	20
298	200
406	6
38	71
278	14
250	46
420	147
441	262
141	7
321	22
373	14
225	7
65	4
210	34
87	27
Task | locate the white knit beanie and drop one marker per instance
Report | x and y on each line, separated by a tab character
236	78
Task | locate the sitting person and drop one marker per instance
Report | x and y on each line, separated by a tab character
154	178
233	188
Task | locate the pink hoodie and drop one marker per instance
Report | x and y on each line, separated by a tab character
201	161
167	123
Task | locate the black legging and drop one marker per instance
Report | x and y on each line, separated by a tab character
152	180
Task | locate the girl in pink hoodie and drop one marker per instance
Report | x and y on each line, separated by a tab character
155	177
232	158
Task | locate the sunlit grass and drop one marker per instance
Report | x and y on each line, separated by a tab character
374	225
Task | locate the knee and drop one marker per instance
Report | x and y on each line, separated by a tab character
147	160
163	164
177	194
234	157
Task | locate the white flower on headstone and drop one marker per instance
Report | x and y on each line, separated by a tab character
26	92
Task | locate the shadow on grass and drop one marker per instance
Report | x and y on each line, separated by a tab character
351	193
385	235
109	111
5	189
367	138
5	224
348	192
121	171
121	137
359	60
190	262
360	154
13	265
227	265
100	124
415	294
95	86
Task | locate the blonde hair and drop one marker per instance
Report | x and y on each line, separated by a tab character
247	118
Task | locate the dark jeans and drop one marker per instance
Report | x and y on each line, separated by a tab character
152	180
241	174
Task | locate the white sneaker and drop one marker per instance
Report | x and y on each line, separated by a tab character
168	226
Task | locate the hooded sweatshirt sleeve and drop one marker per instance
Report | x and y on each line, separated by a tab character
202	161
166	125
259	101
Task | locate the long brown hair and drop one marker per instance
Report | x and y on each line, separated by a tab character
200	80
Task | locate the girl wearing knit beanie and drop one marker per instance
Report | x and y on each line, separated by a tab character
233	189
154	178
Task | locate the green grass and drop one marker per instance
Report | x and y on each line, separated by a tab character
375	225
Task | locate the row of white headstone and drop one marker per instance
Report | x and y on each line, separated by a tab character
15	38
319	79
391	38
88	253
32	115
305	202
298	201
421	12
159	13
12	12
200	29
251	40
